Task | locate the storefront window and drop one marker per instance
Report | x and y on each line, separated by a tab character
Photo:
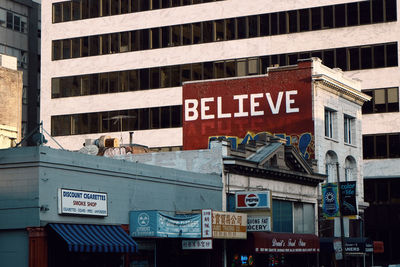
282	216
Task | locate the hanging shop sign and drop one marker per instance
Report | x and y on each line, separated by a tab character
206	223
330	200
197	244
258	223
285	243
229	225
76	202
152	223
253	200
348	198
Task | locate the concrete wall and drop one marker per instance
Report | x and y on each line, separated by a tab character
130	186
323	39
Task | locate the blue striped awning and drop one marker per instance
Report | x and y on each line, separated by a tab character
95	238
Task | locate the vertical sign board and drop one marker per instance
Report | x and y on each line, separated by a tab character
330	200
76	202
278	103
349	200
206	223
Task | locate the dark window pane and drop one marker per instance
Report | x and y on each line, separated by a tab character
197	70
94	45
175	3
394	146
154	118
304	55
329	58
114	43
144	39
382	191
253	26
144	79
282	60
317	54
282	23
274	23
175	76
219	70
341	61
76	47
93	123
292	59
367	108
17	23
124	42
75	86
264	25
230	29
133	120
113	82
379	56
340	16
352	14
135	40
67	11
264	64
316	18
368	147
366	57
381	146
124	6
104	121
328	17
144	5
186	73
66	49
176	35
187	34
391	55
207	31
219	30
208	70
165	117
165	77
105	44
282	216
76	10
85	47
230	68
94	10
94	84
114	7
155	38
165	33
133	80
391	8
103	83
241	27
176	116
60	125
123	81
56	50
377	11
292	21
304	20
354	54
144	119
106	8
196	33
85	9
365	12
57	17
154	78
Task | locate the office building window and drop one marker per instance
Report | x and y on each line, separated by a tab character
383	100
379	146
349	129
303	215
330	123
282	216
331	161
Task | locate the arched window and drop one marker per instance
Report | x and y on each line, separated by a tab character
350	169
331	161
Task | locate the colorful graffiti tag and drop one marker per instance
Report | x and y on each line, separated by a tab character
303	142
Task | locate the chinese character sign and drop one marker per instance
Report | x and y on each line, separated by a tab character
229	225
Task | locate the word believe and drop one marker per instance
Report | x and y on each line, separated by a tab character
255	109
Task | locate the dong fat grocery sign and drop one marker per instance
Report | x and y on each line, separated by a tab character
253	200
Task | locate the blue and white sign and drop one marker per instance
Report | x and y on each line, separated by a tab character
82	202
152	223
253	200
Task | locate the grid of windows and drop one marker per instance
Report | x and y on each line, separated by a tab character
348	127
330	123
115	121
170	76
85	9
380	146
383	100
238	28
13	21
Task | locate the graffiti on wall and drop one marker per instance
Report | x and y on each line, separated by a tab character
303	142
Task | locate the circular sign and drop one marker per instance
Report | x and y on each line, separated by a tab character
251	200
143	219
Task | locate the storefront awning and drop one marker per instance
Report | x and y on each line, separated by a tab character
351	245
95	238
285	243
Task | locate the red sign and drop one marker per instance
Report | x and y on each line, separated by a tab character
285	243
279	103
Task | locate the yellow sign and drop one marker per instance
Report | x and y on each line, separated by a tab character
229	225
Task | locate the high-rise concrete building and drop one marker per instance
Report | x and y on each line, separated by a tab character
112	67
20	38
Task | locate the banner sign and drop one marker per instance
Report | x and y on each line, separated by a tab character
197	244
348	201
229	225
77	202
159	224
253	200
206	223
258	223
330	200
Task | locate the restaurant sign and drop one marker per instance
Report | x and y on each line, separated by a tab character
229	225
258	223
76	202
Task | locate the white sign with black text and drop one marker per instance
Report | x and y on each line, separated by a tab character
197	244
82	203
258	223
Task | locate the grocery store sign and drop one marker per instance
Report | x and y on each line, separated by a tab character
77	202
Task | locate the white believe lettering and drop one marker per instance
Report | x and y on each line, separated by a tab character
302	243
276	243
255	108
